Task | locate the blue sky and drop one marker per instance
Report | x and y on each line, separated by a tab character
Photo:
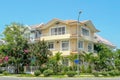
103	13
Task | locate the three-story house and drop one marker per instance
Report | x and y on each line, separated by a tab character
67	36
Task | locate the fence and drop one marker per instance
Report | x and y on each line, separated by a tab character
10	69
30	69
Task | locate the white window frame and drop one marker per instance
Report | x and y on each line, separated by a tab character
86	29
68	45
57	27
81	48
32	36
53	46
54	33
91	46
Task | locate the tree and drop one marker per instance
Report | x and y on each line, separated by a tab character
86	60
71	58
117	59
104	57
16	45
54	62
39	53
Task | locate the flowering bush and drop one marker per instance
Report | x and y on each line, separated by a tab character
6	58
26	51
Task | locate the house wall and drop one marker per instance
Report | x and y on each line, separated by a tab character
57	48
71	30
46	31
73	43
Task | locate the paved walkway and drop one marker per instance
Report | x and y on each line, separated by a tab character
39	78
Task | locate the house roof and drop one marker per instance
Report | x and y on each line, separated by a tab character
36	26
70	21
103	40
90	24
55	21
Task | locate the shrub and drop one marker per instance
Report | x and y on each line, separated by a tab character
65	69
114	73
43	69
70	68
111	73
61	73
47	72
37	73
1	71
117	73
89	69
104	73
5	72
82	68
96	74
71	73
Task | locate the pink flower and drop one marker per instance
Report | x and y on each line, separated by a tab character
6	58
26	51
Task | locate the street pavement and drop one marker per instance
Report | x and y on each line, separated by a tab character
40	78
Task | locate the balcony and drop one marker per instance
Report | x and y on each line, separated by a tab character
88	38
67	35
54	37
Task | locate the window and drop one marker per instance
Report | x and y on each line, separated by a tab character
65	45
63	30
90	47
37	34
58	31
54	31
85	32
80	44
32	36
50	45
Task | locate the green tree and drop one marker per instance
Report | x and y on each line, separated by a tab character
54	62
39	53
16	45
86	60
71	58
117	59
104	58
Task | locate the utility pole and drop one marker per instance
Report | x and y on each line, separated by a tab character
78	43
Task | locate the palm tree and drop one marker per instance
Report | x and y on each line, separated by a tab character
54	62
71	58
86	61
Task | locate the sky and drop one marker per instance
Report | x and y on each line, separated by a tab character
105	14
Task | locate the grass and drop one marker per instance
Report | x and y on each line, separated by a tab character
25	75
57	76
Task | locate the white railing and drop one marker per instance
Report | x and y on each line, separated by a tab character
10	69
30	69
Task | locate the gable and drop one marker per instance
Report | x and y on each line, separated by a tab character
53	22
89	25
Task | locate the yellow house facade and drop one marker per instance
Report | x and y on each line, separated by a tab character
66	36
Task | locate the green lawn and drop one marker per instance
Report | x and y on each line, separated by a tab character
55	76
